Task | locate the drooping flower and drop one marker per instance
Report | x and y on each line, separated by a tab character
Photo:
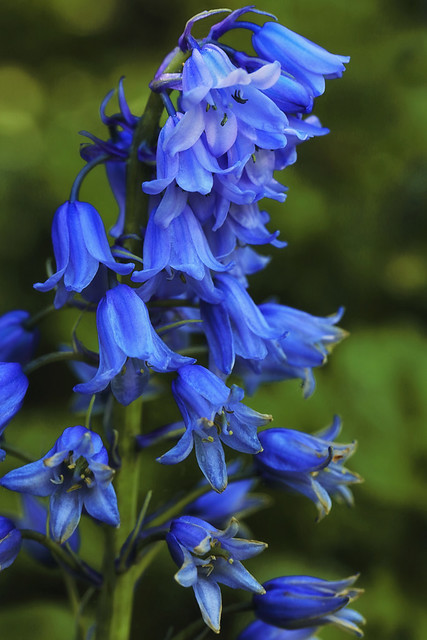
229	103
306	344
127	339
80	246
17	342
181	247
183	157
306	61
208	557
10	542
309	464
236	326
13	387
298	602
213	414
75	474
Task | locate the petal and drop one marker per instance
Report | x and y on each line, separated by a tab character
96	240
211	459
180	451
61	247
101	503
236	576
13	387
33	478
187	131
65	509
208	596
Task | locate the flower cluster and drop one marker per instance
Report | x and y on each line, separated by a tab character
169	296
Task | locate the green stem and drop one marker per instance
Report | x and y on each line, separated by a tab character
178	323
115	606
40	315
55	548
49	358
16	452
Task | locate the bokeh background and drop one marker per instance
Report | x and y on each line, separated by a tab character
356	226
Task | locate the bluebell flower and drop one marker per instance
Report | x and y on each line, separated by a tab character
236	326
181	247
259	630
17	342
183	158
306	344
304	60
128	347
254	182
80	245
10	542
245	224
208	557
34	517
213	414
297	602
13	387
75	474
226	102
309	464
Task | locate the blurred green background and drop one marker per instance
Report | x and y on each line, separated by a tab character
356	226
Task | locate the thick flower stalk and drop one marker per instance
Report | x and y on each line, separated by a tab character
169	298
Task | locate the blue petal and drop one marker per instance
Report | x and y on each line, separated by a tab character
211	459
96	240
13	387
33	478
208	596
65	510
180	451
101	503
236	576
61	246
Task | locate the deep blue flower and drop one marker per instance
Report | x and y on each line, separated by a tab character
228	104
34	517
128	347
236	326
259	630
309	464
213	414
306	61
254	182
296	602
181	247
13	387
75	474
306	344
10	542
17	343
80	245
207	556
183	157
